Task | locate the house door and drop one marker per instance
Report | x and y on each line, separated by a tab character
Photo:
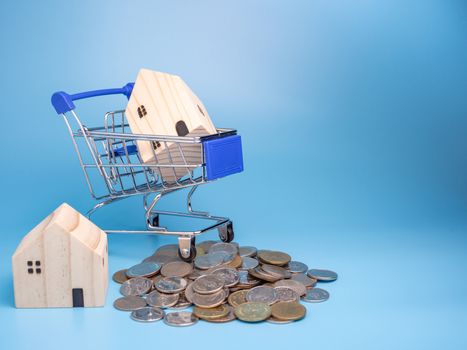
78	300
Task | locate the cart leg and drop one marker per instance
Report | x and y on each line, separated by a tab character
187	248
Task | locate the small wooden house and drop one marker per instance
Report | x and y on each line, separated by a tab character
62	262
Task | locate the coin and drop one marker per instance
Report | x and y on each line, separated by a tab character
167	248
144	269
209	260
195	274
212	313
136	286
205	245
259	273
262	294
176	269
274	257
246	280
157	299
180	319
247	251
322	275
209	300
227	318
189	292
120	276
229	276
170	285
297	267
208	284
276	271
248	263
236	262
316	295
147	314
298	287
182	303
161	260
286	294
238	297
288	310
129	303
224	247
305	280
252	311
274	320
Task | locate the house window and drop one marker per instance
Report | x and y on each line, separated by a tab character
37	263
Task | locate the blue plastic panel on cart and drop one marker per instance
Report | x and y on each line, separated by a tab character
223	156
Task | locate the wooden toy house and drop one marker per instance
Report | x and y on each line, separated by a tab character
162	104
62	262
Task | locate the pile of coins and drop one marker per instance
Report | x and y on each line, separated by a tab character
225	282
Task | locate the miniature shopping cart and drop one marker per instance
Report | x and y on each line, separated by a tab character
111	152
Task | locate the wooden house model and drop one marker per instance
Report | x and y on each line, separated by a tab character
62	262
162	104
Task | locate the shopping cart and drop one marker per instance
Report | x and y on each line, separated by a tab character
111	152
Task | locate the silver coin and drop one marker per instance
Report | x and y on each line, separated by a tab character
228	275
247	251
286	294
246	279
276	271
262	294
208	284
210	300
298	287
322	275
170	285
205	245
144	269
182	303
277	321
161	260
136	286
129	303
316	295
224	247
207	261
157	299
297	267
304	279
248	263
180	319
147	314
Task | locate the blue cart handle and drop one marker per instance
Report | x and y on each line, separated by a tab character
63	102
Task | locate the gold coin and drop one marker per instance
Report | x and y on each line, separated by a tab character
176	269
252	312
209	300
238	297
120	276
227	318
288	310
211	313
274	257
236	262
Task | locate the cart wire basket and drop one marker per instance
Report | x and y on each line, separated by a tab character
111	151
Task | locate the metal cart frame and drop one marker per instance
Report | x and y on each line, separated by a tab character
112	152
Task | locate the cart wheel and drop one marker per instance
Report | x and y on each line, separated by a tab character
192	255
155	220
226	232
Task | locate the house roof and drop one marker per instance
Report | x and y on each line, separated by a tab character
71	222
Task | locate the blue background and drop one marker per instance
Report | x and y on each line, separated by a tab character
353	118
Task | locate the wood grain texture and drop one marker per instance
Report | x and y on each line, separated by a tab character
72	253
157	103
